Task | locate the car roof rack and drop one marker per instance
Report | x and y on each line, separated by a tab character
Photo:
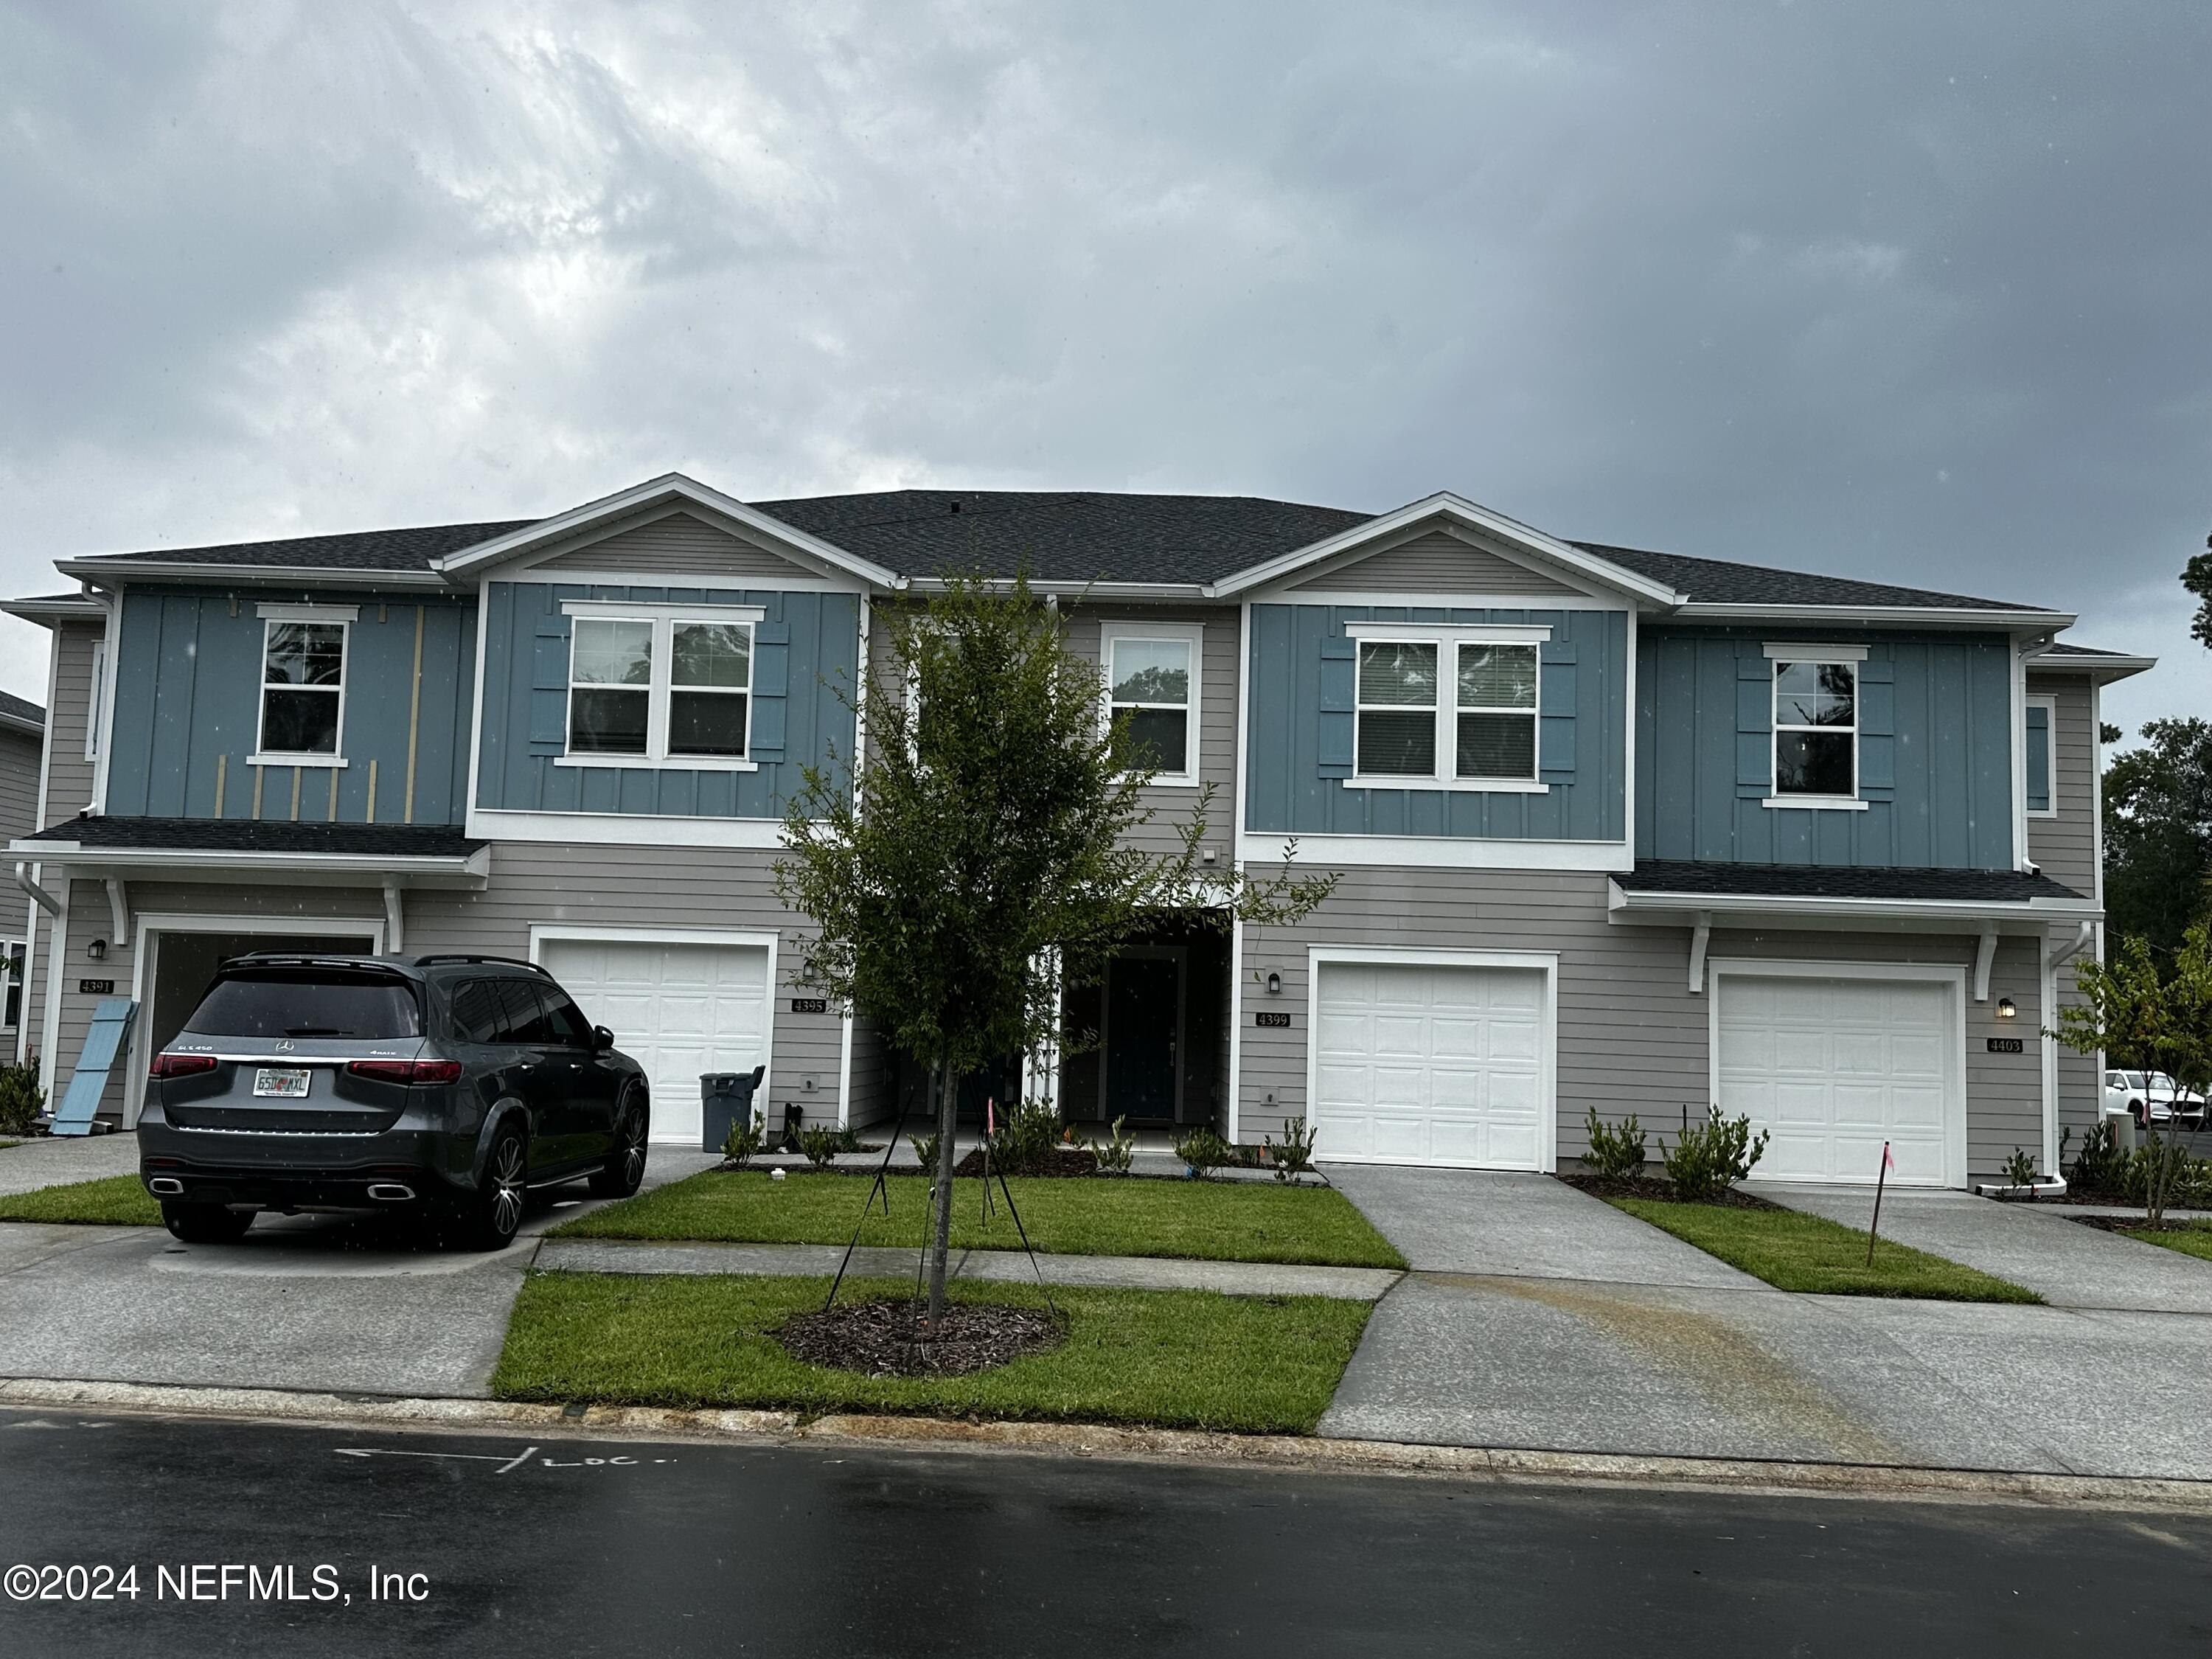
485	961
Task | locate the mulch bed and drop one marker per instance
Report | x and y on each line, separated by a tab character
2127	1223
1657	1187
1066	1161
878	1338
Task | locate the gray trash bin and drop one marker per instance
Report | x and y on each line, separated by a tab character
726	1100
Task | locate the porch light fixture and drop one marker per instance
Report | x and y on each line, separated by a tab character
1274	984
96	949
2007	1009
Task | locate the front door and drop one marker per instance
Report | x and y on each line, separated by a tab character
1144	1028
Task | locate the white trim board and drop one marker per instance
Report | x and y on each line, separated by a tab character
1436	852
625	829
1954	1129
1544	961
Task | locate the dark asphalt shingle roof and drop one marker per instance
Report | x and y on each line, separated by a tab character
21	708
359	549
1063	535
1831	881
1067	535
1717	581
263	835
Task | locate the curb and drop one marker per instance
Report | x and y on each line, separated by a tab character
1502	1465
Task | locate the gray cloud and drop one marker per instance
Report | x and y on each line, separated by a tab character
1910	291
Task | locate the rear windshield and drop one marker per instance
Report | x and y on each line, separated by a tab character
307	1006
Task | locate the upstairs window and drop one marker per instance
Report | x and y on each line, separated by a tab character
1816	728
302	686
1457	711
2042	714
1151	678
659	685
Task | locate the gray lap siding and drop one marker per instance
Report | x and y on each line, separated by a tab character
1631	1035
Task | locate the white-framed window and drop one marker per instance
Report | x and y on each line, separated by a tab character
13	953
664	686
1816	724
1448	707
303	663
2041	756
1151	672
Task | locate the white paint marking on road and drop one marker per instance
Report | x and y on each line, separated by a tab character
458	1457
522	1457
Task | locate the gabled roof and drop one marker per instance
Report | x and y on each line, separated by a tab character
21	713
1217	544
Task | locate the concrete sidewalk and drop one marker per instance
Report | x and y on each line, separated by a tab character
996	1267
58	1160
1541	1352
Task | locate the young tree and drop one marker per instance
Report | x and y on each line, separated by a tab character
2145	1022
980	859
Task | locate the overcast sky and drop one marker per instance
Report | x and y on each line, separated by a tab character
1910	291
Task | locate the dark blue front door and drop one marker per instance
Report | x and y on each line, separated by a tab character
1144	998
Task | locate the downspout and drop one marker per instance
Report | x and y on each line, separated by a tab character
40	895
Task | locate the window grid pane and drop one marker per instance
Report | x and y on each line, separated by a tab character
1497	676
1816	729
716	654
710	723
1403	675
1153	672
608	652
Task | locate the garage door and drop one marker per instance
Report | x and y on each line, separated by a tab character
678	1010
1431	1065
1833	1068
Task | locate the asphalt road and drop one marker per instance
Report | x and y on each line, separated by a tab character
596	1547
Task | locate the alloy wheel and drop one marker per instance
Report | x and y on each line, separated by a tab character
634	1148
507	1184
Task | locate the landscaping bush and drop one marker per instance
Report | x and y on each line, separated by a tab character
925	1148
2100	1167
1615	1152
20	1099
2105	1170
2019	1169
820	1145
1115	1152
1292	1156
1028	1139
746	1141
1712	1157
1202	1152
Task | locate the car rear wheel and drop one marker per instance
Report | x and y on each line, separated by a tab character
206	1223
625	1170
491	1217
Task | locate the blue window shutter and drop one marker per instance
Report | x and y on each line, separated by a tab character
1335	737
1755	722
549	686
2039	759
1555	730
1877	697
771	688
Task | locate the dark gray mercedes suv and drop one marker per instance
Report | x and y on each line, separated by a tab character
442	1086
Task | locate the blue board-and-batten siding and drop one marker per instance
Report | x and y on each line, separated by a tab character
188	711
807	639
1299	732
1934	753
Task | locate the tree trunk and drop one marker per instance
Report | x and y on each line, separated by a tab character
948	1117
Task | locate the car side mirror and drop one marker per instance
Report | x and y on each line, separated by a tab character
602	1038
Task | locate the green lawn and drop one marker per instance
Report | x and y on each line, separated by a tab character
1793	1251
1179	1359
112	1201
1219	1221
2195	1239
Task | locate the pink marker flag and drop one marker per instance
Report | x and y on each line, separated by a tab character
1887	1161
991	1122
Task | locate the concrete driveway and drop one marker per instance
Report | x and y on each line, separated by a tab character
1544	1319
301	1301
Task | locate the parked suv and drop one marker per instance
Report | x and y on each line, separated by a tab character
442	1086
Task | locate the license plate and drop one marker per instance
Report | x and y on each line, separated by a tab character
283	1082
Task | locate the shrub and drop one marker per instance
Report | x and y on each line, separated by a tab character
820	1145
925	1148
2019	1169
1712	1157
1292	1156
1114	1152
1028	1139
20	1099
848	1140
1202	1152
2101	1168
1615	1152
746	1141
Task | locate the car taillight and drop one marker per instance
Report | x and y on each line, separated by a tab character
180	1065
407	1070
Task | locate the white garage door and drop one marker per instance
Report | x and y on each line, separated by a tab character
1833	1068
1431	1065
678	1010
